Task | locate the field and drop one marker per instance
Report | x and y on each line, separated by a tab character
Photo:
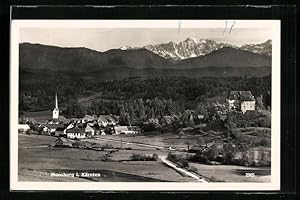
231	173
162	140
37	161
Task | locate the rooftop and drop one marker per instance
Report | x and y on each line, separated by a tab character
89	117
75	130
54	126
121	128
108	118
241	95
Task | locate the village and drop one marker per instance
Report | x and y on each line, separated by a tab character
75	128
89	126
188	151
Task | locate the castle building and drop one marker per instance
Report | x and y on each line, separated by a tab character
55	113
240	101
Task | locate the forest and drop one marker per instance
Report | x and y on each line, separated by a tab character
136	98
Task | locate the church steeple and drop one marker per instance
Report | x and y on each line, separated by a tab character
56	103
55	112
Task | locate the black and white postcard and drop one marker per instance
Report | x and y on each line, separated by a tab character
145	105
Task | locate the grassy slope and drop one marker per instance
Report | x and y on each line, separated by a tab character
43	159
231	173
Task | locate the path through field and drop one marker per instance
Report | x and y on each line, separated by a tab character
182	170
163	158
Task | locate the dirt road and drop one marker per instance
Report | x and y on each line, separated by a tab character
182	170
162	157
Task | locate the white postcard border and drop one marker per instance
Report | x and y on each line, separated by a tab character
16	25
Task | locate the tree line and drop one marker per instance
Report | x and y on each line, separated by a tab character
181	92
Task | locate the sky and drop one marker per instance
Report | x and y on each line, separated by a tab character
103	39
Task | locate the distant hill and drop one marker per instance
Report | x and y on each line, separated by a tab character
39	57
227	57
137	58
44	57
117	64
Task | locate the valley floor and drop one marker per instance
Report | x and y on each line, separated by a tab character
37	161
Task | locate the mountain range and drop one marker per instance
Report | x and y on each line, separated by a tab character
117	63
262	48
193	47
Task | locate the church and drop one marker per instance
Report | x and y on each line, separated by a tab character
56	118
55	113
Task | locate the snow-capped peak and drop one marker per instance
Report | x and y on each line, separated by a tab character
125	48
262	48
193	47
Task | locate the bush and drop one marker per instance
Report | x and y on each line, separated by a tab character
236	154
178	160
171	157
264	142
155	156
211	153
151	125
139	157
193	169
32	132
199	157
107	146
182	163
230	154
103	157
249	119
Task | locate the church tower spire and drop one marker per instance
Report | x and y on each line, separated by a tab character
55	113
56	103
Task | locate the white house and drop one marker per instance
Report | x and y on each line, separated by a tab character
51	128
127	130
135	129
89	118
76	133
89	130
122	130
68	127
240	101
23	127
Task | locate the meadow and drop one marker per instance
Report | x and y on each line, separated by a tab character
37	161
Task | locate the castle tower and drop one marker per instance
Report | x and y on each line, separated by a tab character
55	110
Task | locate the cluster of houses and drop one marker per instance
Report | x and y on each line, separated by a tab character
88	126
79	128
